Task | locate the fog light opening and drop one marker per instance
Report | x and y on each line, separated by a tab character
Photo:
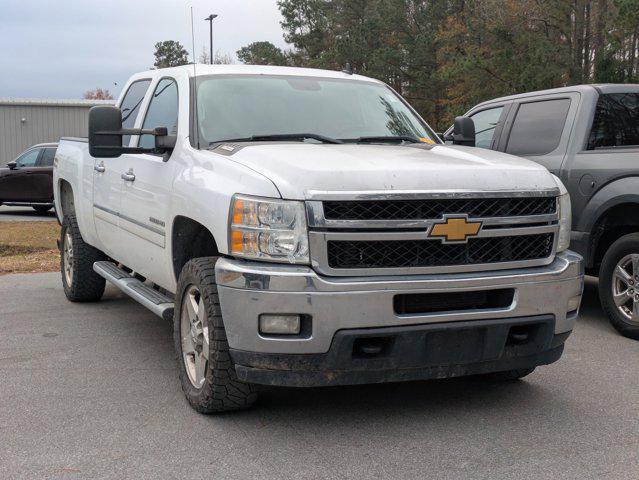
271	324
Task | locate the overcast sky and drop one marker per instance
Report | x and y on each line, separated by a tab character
60	49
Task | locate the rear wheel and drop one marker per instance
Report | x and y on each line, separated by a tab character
207	373
619	285
80	282
42	208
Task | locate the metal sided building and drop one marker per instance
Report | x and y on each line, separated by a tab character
26	122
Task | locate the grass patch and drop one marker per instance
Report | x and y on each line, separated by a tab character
29	247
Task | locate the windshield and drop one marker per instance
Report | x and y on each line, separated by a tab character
245	106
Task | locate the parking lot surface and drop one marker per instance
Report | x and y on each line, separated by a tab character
24	214
91	391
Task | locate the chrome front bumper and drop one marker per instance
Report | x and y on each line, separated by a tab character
249	289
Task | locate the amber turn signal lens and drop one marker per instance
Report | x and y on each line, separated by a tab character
237	242
238	212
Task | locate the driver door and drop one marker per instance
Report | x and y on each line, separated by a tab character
15	185
147	192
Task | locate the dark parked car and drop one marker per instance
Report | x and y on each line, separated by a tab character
28	180
588	136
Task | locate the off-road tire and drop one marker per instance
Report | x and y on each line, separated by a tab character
86	285
628	244
222	391
41	208
509	375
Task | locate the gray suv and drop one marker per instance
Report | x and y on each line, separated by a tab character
587	135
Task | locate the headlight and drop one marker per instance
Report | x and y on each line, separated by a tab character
565	217
265	229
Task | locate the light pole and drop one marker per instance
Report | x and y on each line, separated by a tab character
210	19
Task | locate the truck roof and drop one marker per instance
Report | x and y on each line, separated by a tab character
203	69
602	87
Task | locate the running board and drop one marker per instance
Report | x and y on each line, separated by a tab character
155	301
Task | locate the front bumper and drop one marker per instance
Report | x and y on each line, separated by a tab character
340	307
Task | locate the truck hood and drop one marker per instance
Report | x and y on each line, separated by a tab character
300	170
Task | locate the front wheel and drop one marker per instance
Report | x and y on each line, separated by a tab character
80	282
618	285
207	372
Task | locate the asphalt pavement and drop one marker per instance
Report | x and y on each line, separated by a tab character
24	214
90	391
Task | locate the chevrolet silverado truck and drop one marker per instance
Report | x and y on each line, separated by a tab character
587	135
303	227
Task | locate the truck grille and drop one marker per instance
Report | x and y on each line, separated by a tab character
433	253
436	208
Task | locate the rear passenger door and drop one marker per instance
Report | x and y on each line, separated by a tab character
42	177
539	128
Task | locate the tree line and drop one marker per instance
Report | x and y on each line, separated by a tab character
446	55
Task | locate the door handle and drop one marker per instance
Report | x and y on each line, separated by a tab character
128	176
100	168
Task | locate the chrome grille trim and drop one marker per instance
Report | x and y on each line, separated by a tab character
321	231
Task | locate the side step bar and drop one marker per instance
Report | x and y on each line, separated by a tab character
155	301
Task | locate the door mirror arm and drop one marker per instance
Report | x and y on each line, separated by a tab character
12	165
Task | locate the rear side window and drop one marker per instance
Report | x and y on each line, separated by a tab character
485	124
130	106
46	160
538	127
162	111
616	122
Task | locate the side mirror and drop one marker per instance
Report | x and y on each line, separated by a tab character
464	131
106	132
105	119
12	165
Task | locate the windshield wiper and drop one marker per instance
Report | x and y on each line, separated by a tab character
387	139
282	136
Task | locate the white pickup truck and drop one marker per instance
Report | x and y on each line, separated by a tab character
305	227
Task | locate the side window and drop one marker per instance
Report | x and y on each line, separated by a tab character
616	122
46	160
538	127
130	106
28	159
162	111
485	124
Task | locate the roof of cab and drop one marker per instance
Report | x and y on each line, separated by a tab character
602	87
203	69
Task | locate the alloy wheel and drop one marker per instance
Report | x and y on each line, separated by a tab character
67	258
625	287
195	336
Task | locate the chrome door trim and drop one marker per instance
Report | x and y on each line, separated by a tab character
129	219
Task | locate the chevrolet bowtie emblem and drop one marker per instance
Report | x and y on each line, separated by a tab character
455	229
